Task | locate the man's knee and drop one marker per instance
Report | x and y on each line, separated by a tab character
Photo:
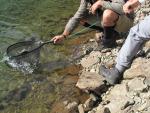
109	17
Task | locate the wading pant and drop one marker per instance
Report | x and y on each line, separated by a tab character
137	36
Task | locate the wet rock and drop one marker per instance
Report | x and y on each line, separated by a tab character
22	92
1	107
40	78
49	88
52	65
18	94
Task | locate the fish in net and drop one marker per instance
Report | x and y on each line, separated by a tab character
25	55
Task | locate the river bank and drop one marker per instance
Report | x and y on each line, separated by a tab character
132	95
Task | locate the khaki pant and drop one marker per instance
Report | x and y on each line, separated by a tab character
122	25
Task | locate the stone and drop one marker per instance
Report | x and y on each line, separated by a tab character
91	81
80	108
139	67
72	106
89	104
100	109
116	104
144	106
98	36
137	84
92	59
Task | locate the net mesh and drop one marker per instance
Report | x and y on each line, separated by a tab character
24	56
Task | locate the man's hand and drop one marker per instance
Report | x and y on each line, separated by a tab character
58	39
130	5
95	6
127	8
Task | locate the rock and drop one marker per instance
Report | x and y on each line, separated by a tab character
19	93
144	106
137	84
91	40
91	112
118	91
92	59
147	81
72	106
65	103
1	107
139	67
98	36
101	109
147	44
127	104
89	104
132	94
50	87
116	104
91	81
81	109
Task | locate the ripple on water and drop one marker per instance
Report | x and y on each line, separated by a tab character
42	92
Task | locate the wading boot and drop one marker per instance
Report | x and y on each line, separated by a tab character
106	45
112	76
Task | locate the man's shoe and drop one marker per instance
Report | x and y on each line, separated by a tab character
109	43
106	45
112	76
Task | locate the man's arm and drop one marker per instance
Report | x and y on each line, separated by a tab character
72	23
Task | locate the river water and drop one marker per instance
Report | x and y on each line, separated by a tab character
45	90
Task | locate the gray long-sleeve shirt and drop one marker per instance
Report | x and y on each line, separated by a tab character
115	5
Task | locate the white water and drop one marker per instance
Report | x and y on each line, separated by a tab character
22	66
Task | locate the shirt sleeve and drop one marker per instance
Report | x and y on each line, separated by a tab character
74	21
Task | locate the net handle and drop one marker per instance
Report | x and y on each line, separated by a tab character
42	44
47	42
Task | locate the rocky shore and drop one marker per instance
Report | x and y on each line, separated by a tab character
132	95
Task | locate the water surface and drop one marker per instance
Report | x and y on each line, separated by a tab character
45	90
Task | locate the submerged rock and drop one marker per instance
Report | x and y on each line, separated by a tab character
18	94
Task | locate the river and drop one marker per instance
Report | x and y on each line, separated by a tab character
45	90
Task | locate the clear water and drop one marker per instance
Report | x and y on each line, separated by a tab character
45	90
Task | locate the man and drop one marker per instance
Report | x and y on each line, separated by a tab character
112	15
137	36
